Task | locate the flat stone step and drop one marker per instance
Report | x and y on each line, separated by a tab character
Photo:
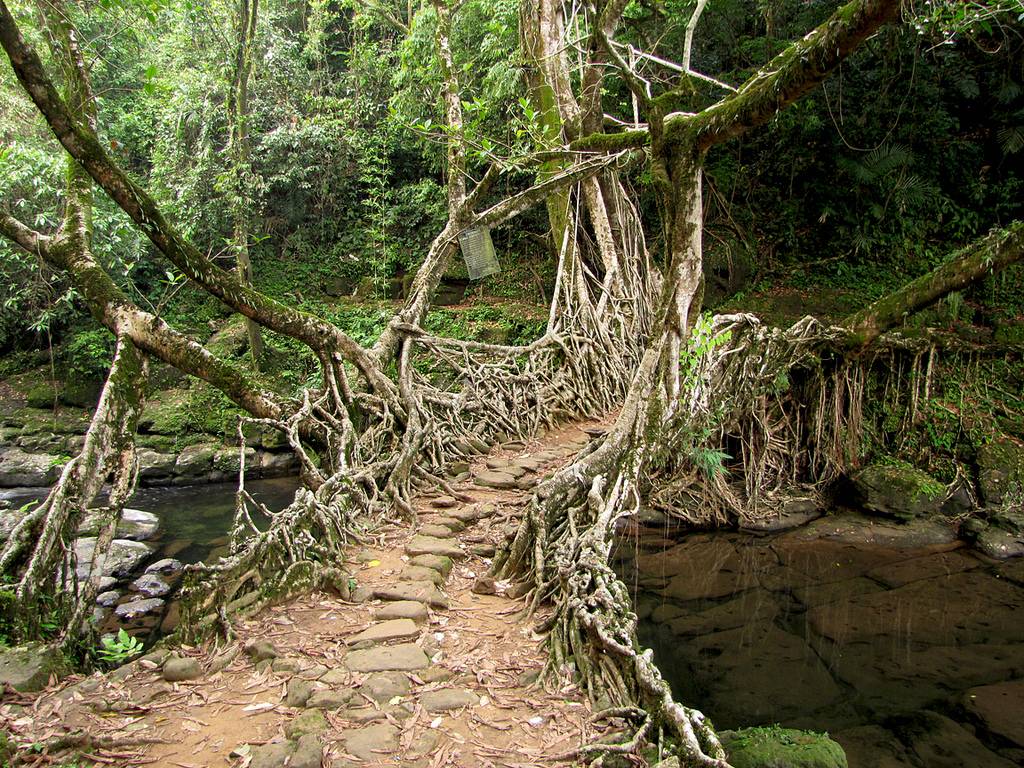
402	609
436	531
490	478
421	592
329	699
447	699
474	512
428	545
529	463
385	631
421	574
407	657
444	502
506	467
439	563
451	523
373	742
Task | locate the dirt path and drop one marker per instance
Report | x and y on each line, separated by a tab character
419	669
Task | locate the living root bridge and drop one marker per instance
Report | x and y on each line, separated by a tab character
790	405
458	398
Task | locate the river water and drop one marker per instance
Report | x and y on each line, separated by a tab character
194	522
908	657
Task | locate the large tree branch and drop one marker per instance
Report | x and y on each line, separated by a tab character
996	251
113	309
31	241
791	74
513	206
83	145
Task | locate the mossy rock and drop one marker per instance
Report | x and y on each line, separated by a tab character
899	490
165	413
81	394
775	747
231	340
1000	469
42	396
28	668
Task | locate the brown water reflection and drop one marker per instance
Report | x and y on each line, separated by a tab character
908	656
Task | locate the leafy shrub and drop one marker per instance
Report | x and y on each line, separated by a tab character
87	355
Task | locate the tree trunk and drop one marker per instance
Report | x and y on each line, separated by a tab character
238	133
993	253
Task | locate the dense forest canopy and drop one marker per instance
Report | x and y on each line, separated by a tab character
346	171
166	165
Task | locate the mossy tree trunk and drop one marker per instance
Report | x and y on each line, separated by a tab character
987	256
241	164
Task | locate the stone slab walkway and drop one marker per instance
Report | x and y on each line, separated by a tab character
427	665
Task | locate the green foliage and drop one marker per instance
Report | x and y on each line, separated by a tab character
42	396
87	355
702	342
117	649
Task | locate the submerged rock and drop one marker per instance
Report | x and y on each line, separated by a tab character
28	668
794	513
137	608
166	567
936	741
775	747
899	491
137	525
122	558
150	585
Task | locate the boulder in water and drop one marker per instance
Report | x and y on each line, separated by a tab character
150	585
899	490
19	468
137	608
108	599
775	747
134	525
166	567
121	559
137	525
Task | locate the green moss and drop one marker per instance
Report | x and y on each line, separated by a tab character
42	396
775	747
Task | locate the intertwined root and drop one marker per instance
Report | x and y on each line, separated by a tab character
449	400
792	404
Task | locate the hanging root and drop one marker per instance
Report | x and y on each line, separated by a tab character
794	408
39	556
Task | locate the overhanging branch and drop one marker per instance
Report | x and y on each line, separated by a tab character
794	72
995	252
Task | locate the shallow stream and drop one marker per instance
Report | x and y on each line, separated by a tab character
908	657
194	523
